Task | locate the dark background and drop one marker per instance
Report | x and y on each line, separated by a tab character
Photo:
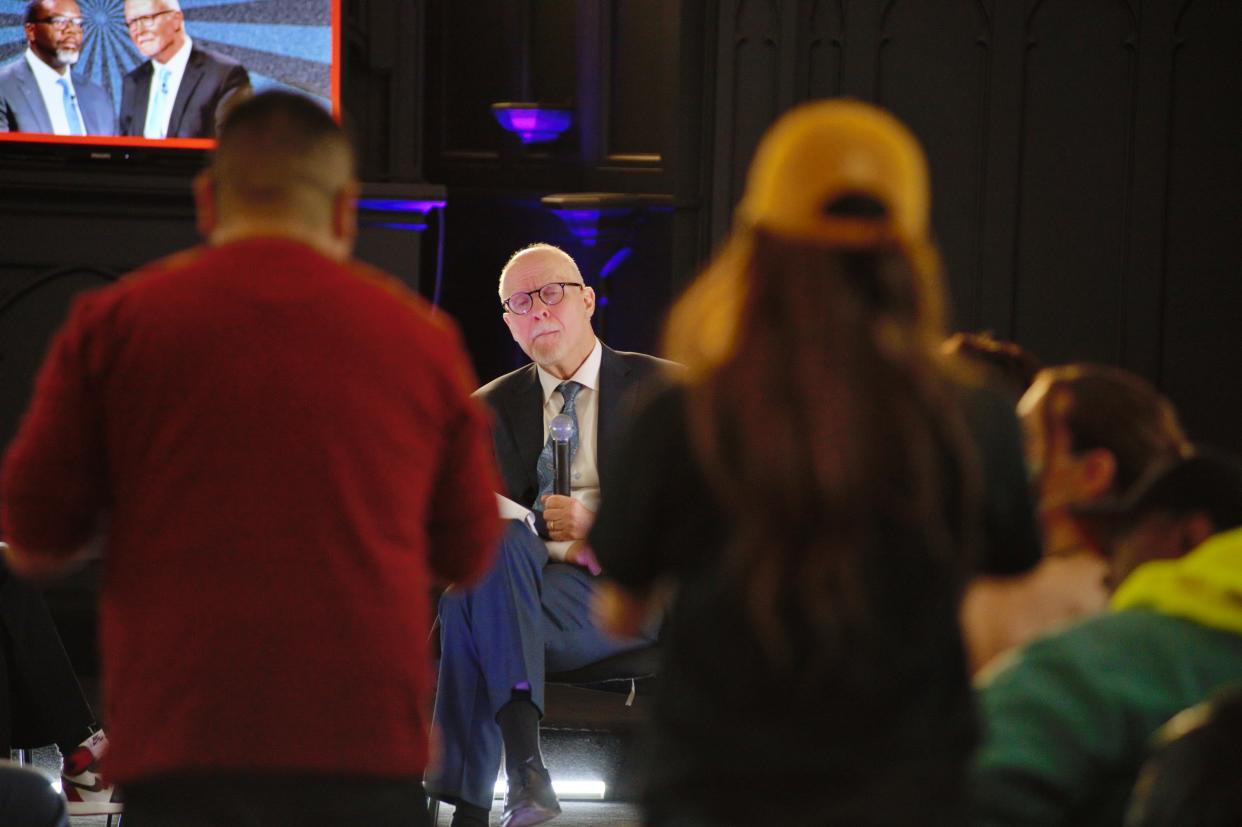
1086	163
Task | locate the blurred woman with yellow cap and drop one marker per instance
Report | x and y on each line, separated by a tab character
814	493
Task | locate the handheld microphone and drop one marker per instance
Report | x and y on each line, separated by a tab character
562	430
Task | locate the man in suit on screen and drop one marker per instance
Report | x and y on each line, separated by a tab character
182	89
38	92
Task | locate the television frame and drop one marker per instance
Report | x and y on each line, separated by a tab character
133	148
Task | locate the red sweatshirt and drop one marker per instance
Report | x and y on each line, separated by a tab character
281	454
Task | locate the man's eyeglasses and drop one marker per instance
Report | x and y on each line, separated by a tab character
520	303
60	23
147	20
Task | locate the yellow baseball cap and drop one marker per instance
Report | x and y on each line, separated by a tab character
820	152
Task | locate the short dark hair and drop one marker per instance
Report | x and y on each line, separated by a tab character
1209	481
281	149
32	10
1006	361
297	117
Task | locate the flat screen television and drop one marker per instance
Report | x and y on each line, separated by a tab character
289	44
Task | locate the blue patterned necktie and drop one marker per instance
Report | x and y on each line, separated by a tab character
545	466
154	127
71	108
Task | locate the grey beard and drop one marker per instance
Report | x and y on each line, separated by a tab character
67	57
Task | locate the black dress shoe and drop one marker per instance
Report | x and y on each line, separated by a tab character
530	799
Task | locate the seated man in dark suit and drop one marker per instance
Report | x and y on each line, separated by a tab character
38	93
180	92
531	614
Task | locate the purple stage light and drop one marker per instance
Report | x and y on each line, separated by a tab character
614	261
400	205
589	224
397	213
533	123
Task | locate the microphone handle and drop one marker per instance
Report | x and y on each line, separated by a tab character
560	464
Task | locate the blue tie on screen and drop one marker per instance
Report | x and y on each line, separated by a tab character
71	108
544	466
155	114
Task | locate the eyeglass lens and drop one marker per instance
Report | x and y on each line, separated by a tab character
147	20
550	294
63	23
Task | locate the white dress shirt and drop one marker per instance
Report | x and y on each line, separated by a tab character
53	94
584	471
176	68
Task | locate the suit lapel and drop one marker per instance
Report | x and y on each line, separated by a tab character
142	97
524	413
34	100
615	404
192	77
92	124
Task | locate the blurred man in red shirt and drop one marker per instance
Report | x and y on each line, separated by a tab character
275	449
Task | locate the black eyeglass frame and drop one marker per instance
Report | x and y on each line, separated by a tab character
147	21
62	23
530	295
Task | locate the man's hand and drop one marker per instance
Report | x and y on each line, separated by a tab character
580	554
566	518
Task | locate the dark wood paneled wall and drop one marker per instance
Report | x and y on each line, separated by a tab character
1085	158
1085	155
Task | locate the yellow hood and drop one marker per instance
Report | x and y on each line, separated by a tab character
1204	586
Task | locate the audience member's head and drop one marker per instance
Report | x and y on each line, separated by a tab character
1172	510
1092	432
811	344
284	167
548	308
832	235
1191	780
1008	363
54	31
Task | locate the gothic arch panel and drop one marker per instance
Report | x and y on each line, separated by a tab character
1078	103
1201	312
933	74
821	50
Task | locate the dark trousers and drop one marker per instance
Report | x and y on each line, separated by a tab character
526	618
209	799
28	800
41	697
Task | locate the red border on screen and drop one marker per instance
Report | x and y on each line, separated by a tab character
183	143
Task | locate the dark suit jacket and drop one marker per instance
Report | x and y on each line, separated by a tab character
210	80
516	400
22	109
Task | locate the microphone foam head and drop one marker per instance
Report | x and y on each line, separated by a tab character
562	428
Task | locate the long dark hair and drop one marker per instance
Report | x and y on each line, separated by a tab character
821	411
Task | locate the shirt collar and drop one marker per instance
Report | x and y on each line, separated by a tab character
44	73
176	64
587	374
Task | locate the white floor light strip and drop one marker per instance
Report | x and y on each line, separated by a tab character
582	789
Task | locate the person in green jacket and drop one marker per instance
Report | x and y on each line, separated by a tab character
1069	717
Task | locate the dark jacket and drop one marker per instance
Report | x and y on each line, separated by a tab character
22	108
516	400
210	80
